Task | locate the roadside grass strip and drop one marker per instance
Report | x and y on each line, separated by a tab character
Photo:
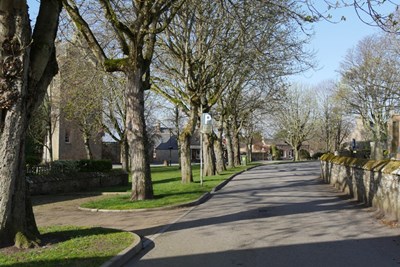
168	189
69	246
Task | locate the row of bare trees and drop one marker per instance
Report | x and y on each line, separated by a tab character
368	89
228	60
28	64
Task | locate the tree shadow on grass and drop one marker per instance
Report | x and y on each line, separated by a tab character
64	235
57	236
169	180
47	199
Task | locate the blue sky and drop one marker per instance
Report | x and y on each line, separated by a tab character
331	42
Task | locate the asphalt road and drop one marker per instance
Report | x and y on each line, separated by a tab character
275	215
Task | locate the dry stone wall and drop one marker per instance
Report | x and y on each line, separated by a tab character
376	188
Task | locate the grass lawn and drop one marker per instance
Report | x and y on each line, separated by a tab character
69	246
168	189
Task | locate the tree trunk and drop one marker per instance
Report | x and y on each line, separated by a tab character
208	155
236	149
124	154
249	148
16	216
184	140
219	152
27	68
88	149
229	148
296	151
186	166
136	135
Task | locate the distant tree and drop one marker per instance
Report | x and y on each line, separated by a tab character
334	120
370	86
296	119
81	94
193	51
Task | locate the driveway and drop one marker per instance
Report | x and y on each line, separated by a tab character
275	215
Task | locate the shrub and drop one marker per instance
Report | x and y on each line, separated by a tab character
64	166
32	160
276	153
304	154
86	165
317	155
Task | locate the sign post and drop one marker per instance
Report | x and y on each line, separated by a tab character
206	128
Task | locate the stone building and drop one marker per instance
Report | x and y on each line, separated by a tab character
65	139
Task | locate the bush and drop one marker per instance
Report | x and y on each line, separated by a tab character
32	160
276	153
86	165
317	155
304	154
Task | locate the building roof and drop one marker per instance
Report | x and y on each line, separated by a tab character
171	143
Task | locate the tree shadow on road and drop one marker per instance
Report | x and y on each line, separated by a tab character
381	251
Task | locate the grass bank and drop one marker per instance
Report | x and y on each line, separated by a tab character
69	246
168	189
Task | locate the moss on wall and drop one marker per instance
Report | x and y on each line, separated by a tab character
385	166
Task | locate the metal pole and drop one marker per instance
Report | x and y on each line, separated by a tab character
201	146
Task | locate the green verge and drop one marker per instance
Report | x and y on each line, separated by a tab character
168	189
69	246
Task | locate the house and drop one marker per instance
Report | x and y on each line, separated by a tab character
262	150
165	146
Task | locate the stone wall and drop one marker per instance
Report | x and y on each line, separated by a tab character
376	188
76	182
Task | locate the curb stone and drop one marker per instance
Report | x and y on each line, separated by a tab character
126	254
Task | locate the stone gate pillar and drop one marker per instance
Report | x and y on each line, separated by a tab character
394	136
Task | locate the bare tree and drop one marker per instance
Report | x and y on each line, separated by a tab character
383	14
41	127
334	123
296	119
370	82
191	54
81	93
135	25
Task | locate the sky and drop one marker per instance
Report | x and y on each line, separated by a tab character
331	43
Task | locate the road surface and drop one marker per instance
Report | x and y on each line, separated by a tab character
275	215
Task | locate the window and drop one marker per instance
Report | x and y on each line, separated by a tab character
67	137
